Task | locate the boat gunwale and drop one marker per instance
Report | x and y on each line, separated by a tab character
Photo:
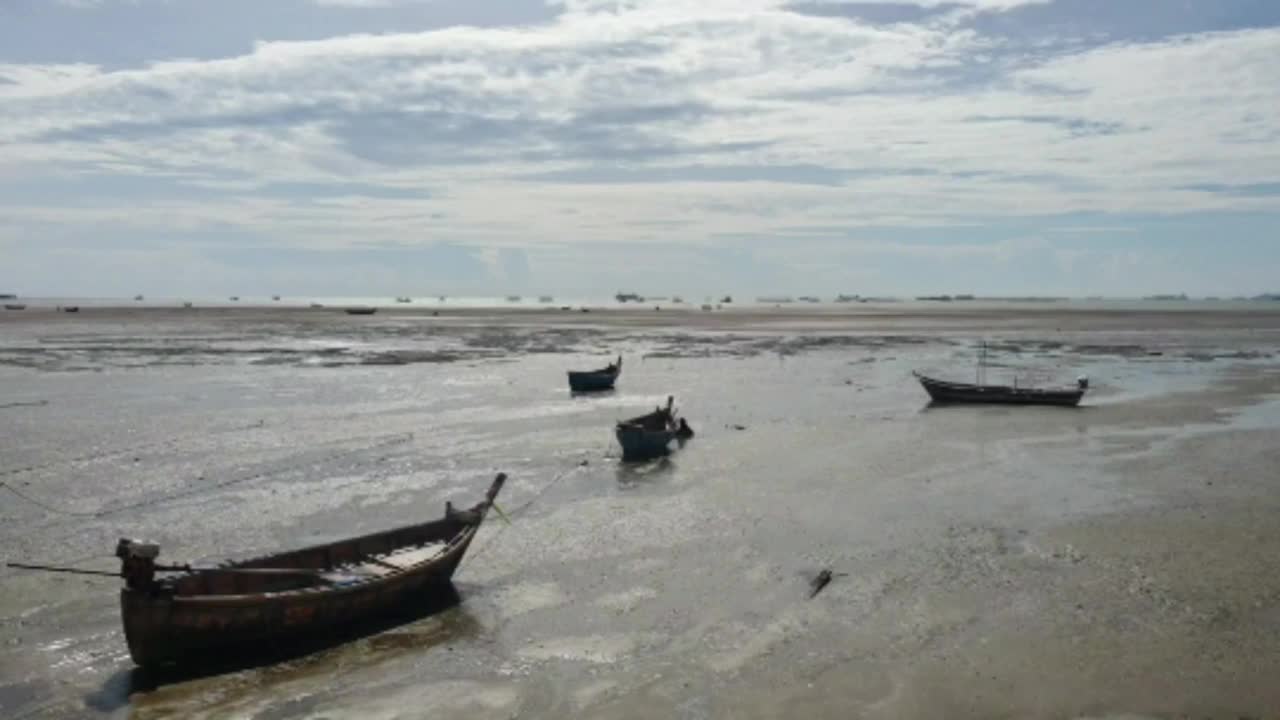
207	600
165	591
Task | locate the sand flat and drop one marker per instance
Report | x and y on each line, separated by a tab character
1111	560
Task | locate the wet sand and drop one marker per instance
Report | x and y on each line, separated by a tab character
1043	563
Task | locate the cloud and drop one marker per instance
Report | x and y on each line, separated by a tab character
620	123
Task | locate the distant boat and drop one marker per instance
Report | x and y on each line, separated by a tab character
677	300
513	298
650	435
8	296
360	310
70	308
727	299
942	391
316	306
1179	296
546	299
297	595
935	298
847	298
623	297
186	304
809	299
595	380
234	298
404	299
706	308
138	298
15	306
275	297
776	300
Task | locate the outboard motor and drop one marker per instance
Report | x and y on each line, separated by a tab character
684	432
137	562
1082	382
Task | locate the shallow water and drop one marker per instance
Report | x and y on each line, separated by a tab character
980	548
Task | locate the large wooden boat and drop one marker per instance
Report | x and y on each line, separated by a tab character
595	380
270	601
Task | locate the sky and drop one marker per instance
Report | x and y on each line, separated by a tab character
194	148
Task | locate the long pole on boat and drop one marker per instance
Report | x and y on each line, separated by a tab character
52	568
980	373
169	568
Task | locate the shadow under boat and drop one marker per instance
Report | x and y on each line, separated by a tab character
607	392
365	642
636	473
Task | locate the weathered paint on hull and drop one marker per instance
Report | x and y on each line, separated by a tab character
175	630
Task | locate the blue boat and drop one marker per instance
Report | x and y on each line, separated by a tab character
595	380
649	436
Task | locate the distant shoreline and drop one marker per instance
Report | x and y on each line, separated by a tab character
975	317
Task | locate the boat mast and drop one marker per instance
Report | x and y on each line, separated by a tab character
980	373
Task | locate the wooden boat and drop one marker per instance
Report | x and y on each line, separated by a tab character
270	601
361	310
595	380
942	391
650	435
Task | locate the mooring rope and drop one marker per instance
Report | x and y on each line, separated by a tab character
204	488
521	508
136	449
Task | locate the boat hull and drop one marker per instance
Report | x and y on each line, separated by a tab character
639	443
947	392
164	631
274	602
591	381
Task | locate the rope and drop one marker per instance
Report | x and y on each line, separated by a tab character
521	508
126	451
36	403
396	440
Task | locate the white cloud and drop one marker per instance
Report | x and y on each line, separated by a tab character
912	123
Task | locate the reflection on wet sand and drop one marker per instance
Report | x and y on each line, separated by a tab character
634	474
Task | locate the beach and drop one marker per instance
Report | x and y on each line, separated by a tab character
1112	560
